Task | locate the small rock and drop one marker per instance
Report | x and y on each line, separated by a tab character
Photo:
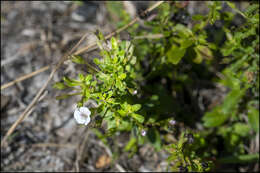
28	32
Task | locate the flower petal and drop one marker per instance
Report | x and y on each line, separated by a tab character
85	110
82	115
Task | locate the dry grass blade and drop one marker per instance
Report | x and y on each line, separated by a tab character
25	77
54	145
36	98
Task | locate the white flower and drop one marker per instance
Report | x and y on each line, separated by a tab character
143	133
172	122
82	115
135	92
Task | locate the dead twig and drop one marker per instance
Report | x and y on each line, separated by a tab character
25	77
54	145
150	36
65	57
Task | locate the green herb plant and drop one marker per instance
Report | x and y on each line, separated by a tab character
141	85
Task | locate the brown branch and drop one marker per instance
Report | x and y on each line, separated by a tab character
36	98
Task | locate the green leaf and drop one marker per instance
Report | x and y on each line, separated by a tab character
231	5
241	129
99	45
81	77
136	107
199	57
99	35
198	17
133	60
59	85
202	51
138	117
253	118
130	144
214	118
231	100
175	54
154	137
71	82
64	96
114	43
122	112
88	78
96	61
248	158
185	43
78	59
122	76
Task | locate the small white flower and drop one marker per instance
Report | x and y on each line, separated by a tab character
143	133
135	92
82	115
172	122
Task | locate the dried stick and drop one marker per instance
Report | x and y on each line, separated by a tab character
34	101
150	36
25	77
54	145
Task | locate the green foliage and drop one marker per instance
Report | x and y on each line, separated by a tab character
140	85
184	156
